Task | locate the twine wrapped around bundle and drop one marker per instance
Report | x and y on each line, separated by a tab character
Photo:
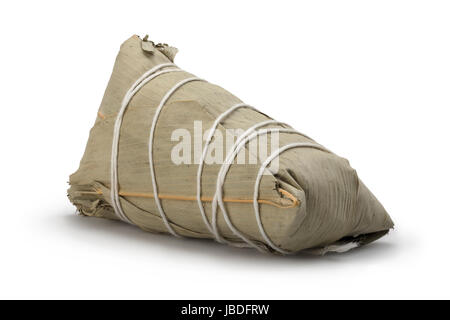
160	157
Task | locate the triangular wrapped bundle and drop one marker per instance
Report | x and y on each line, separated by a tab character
172	153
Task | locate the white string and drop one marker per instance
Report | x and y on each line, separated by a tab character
215	231
234	150
258	181
218	197
147	76
150	150
150	72
203	156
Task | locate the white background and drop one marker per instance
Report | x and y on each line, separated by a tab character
368	79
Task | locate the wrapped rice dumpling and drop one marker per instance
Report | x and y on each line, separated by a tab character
172	153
